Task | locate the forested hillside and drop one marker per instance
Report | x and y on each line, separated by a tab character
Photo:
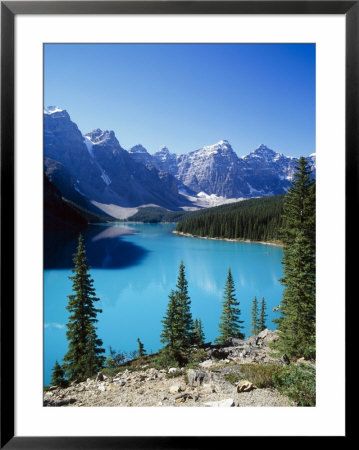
152	214
256	219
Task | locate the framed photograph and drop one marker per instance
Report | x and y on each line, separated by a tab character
169	172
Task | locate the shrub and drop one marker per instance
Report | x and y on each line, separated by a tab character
176	374
297	382
261	375
233	378
164	360
195	358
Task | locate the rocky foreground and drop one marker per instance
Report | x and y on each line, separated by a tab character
208	385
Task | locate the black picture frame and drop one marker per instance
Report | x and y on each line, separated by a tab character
9	9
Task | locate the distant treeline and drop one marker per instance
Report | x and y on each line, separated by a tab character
257	219
153	214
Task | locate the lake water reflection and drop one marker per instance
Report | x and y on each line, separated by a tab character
135	266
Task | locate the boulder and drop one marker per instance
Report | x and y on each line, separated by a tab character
70	401
100	377
245	386
218	353
102	387
208	389
173	370
182	397
266	336
233	342
252	341
197	377
175	388
207	363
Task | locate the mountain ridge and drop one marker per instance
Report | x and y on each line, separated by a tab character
110	178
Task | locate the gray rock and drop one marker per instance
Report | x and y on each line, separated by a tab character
251	341
197	377
102	387
175	388
245	386
182	397
207	363
218	353
60	403
100	377
233	342
285	360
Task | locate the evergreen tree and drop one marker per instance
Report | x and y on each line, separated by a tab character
230	323
262	316
83	358
198	334
297	321
171	332
178	323
57	377
141	349
255	319
299	206
186	321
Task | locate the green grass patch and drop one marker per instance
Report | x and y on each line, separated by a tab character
296	381
233	378
261	375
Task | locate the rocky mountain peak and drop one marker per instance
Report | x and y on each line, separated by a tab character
99	136
264	154
137	149
163	150
55	112
222	146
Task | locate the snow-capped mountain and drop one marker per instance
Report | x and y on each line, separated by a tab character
213	169
100	170
268	172
217	170
94	171
140	154
164	160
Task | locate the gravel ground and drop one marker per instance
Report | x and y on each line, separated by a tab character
153	388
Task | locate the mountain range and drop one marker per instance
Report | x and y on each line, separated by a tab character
93	171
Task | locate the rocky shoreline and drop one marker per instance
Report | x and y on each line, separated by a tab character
208	385
247	241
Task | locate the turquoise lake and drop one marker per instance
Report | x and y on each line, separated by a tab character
135	266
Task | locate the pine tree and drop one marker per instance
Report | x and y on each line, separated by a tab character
198	334
297	321
299	206
186	321
141	349
255	319
230	323
57	377
83	358
178	323
171	332
262	316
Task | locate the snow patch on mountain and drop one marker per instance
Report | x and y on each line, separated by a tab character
89	146
99	137
52	110
138	149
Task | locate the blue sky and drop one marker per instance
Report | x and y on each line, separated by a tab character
186	96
